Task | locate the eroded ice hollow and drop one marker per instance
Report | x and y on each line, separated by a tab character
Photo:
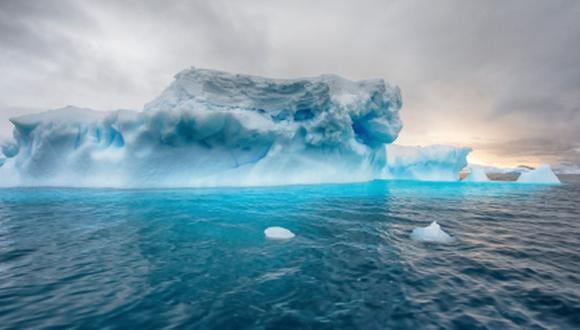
211	128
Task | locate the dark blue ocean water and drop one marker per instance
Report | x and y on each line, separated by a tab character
123	259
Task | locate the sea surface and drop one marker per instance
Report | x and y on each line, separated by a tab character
198	258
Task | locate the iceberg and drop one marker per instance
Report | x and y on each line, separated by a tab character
494	173
476	174
430	163
541	175
488	169
432	233
278	233
211	128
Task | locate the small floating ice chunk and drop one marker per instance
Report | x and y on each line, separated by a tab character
431	233
542	174
278	233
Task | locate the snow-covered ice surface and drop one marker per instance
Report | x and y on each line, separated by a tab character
278	233
211	128
432	233
476	174
431	163
541	175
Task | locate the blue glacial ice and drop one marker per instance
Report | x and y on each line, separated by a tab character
211	128
431	163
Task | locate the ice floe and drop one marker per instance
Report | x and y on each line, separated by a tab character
432	233
278	233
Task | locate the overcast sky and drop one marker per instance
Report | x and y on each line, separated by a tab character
501	76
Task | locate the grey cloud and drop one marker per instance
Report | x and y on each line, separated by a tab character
109	54
188	29
38	28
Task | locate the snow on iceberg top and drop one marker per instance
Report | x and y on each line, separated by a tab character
67	115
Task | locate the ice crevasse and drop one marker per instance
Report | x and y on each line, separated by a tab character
211	128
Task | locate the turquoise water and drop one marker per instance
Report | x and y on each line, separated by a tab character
123	259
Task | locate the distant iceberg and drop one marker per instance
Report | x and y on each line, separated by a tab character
476	174
211	128
432	233
278	233
541	175
488	169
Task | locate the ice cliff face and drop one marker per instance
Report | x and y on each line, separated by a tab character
211	128
327	110
431	163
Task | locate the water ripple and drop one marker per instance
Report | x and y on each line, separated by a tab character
122	259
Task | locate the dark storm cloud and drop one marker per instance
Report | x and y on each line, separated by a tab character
505	71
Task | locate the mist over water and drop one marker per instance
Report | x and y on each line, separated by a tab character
198	258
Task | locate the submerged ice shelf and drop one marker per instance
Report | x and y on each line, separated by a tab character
211	128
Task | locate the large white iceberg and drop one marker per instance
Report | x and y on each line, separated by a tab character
211	128
541	175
